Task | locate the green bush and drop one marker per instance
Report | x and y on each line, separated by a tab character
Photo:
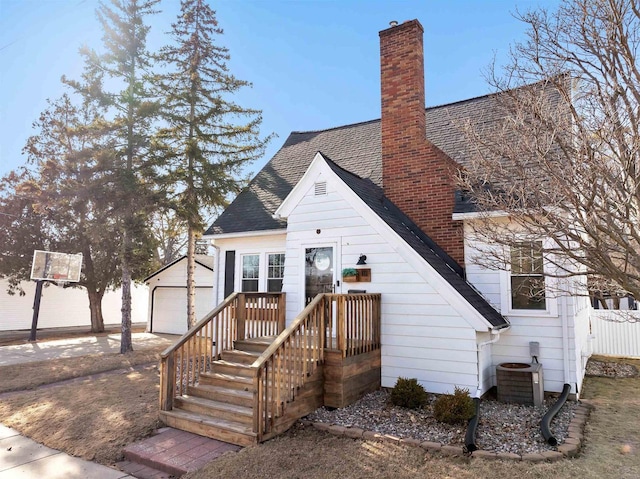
408	393
456	408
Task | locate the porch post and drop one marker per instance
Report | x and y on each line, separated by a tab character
282	305
242	315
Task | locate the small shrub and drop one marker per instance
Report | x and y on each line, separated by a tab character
408	393
456	408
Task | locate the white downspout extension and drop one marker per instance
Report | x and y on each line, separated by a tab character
496	333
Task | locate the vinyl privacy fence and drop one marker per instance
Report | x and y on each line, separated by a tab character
616	333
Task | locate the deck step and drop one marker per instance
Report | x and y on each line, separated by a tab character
227	367
216	428
231	381
222	394
238	356
254	344
208	407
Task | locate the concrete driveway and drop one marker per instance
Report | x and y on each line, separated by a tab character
78	346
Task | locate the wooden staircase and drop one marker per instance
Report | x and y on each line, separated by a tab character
239	376
221	404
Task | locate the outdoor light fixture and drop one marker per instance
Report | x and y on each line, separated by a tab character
361	260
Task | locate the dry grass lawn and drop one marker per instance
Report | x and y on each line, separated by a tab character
92	418
612	450
95	419
32	375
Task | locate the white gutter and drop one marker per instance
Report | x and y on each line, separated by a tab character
496	333
244	234
472	215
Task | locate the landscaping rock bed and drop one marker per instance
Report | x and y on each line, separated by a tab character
611	369
503	428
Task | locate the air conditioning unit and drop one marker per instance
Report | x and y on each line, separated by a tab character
520	383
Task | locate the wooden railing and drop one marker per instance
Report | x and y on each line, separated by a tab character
295	355
357	322
240	316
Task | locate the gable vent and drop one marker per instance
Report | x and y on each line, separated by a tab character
320	188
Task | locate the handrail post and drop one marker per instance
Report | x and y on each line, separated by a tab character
257	403
168	380
241	312
282	305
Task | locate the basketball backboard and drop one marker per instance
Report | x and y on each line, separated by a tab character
51	266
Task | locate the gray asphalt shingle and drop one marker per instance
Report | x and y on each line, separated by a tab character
356	148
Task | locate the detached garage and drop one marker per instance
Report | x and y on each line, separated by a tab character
168	295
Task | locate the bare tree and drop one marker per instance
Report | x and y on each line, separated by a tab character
563	163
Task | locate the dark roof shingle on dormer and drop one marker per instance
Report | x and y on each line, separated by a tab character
355	148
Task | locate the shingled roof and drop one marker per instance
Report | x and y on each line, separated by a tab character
355	148
446	267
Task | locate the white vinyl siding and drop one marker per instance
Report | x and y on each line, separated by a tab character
423	336
544	326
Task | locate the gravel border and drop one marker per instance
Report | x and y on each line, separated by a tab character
371	419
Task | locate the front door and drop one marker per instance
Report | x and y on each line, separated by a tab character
319	271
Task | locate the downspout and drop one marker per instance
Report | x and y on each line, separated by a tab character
496	333
216	274
565	339
472	426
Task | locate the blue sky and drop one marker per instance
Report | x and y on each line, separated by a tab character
314	64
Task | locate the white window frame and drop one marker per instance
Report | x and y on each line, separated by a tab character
242	278
263	267
550	284
268	277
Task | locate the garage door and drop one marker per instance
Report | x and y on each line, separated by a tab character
169	313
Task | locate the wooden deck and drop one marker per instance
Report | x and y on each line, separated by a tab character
232	378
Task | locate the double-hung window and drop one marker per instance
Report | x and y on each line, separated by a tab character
527	276
250	272
275	272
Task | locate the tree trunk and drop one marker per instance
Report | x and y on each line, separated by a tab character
191	281
125	340
95	306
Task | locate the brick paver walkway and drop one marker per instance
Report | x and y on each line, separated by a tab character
172	452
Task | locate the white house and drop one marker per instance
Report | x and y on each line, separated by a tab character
384	189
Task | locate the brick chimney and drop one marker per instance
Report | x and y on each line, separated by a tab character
416	175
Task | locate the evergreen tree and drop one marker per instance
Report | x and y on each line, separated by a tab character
125	66
208	138
65	188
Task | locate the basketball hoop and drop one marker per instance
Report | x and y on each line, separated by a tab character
52	266
61	268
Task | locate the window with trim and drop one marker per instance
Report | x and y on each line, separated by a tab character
527	276
250	272
275	272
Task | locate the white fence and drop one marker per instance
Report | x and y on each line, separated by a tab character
66	307
616	333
